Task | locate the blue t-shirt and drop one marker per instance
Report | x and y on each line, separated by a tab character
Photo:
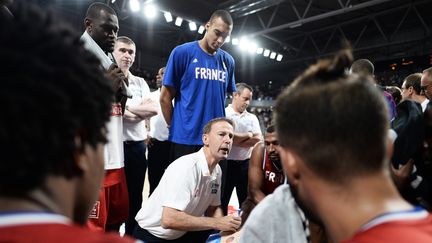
201	82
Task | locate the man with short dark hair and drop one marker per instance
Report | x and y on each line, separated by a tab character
247	133
338	157
137	109
52	168
198	76
185	206
111	209
411	89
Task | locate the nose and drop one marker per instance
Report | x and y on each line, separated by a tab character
220	40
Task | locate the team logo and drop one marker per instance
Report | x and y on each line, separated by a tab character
94	214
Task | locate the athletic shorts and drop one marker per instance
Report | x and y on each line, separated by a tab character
113	204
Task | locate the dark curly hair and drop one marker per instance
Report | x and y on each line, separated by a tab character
335	121
52	90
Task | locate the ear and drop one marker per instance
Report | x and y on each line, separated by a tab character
88	24
207	26
290	163
205	138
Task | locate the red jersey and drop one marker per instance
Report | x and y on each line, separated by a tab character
42	227
414	226
272	176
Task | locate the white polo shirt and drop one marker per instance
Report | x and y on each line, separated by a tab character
136	131
244	122
158	126
186	185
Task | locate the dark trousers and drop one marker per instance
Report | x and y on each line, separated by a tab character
179	150
135	169
189	237
234	174
158	161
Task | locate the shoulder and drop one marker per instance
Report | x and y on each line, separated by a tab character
184	164
226	56
184	47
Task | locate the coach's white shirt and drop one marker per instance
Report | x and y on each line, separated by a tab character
186	185
136	131
244	122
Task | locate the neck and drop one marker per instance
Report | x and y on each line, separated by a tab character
368	197
125	72
418	98
211	160
205	48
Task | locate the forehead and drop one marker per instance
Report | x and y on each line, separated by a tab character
425	79
122	45
105	17
220	25
221	126
270	136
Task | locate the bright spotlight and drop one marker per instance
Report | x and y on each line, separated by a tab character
252	47
168	17
244	44
192	26
279	57
134	5
273	55
150	11
235	41
178	21
260	50
228	39
266	52
201	29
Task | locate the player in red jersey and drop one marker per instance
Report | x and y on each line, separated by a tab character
56	103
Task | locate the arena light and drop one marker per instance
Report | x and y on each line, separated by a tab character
260	50
244	44
178	21
113	1
192	26
134	5
150	11
266	52
235	41
279	57
168	17
252	47
273	55
201	29
228	39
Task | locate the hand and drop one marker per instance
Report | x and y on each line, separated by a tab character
402	175
149	141
229	223
115	74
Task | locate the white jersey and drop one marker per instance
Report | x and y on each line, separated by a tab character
113	150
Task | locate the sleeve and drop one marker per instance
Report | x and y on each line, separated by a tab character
179	187
231	76
175	68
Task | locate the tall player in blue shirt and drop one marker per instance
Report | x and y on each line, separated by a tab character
198	75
